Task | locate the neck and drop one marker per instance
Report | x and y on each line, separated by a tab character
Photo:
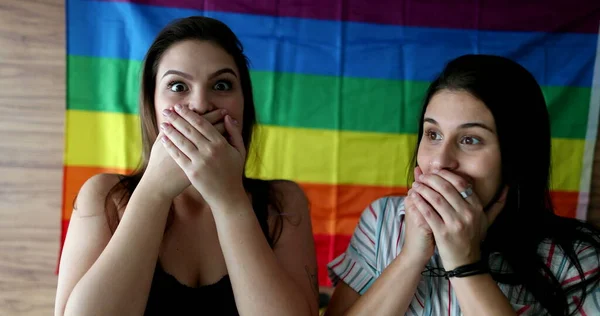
190	203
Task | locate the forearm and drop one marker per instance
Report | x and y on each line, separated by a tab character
393	290
260	284
119	281
480	295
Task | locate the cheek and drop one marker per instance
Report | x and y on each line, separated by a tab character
234	106
423	158
164	101
488	178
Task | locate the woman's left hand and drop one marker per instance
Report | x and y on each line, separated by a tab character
213	164
458	224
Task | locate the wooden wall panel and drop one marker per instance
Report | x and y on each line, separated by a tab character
32	103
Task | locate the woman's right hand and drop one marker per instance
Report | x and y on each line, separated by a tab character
163	173
419	242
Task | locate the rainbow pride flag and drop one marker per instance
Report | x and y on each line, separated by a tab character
338	86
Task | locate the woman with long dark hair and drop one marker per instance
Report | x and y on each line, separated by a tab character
476	233
187	232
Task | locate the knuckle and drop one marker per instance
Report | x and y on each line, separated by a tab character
446	186
459	226
437	200
195	173
462	184
469	218
220	143
211	151
187	130
444	233
198	121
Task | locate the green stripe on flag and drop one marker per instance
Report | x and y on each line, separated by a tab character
308	101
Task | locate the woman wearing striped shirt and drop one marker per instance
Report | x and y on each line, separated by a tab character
476	233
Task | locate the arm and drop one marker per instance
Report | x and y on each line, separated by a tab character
480	295
377	300
401	277
104	275
266	281
459	224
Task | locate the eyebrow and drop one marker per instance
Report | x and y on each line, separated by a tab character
223	71
465	125
190	77
180	73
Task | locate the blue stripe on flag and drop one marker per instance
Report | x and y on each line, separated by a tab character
126	30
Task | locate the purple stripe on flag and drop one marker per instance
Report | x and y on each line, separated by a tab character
580	16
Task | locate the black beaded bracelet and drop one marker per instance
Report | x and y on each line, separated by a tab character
479	267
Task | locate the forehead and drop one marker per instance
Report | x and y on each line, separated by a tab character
458	107
194	56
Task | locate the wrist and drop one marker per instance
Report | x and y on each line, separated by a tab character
459	262
467	270
232	204
415	259
148	188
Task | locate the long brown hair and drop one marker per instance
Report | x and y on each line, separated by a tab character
515	99
264	198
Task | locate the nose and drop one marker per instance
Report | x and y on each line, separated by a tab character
445	158
199	101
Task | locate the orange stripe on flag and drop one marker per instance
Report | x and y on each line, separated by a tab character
336	209
74	178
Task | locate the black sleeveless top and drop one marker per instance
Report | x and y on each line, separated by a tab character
169	297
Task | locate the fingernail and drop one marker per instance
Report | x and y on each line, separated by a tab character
163	139
234	121
224	112
421	177
166	112
164	126
177	107
435	170
415	184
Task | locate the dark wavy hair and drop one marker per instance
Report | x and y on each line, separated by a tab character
516	101
264	197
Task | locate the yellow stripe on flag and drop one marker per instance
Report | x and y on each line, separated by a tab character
567	164
332	157
112	140
102	139
313	156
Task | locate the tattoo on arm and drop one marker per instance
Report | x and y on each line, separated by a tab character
314	281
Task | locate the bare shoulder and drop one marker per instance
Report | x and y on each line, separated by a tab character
290	194
293	201
91	199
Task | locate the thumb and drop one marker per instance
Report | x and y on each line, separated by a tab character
497	207
235	134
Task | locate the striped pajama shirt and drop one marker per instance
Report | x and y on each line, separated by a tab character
378	239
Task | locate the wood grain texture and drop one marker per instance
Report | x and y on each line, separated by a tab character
32	109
